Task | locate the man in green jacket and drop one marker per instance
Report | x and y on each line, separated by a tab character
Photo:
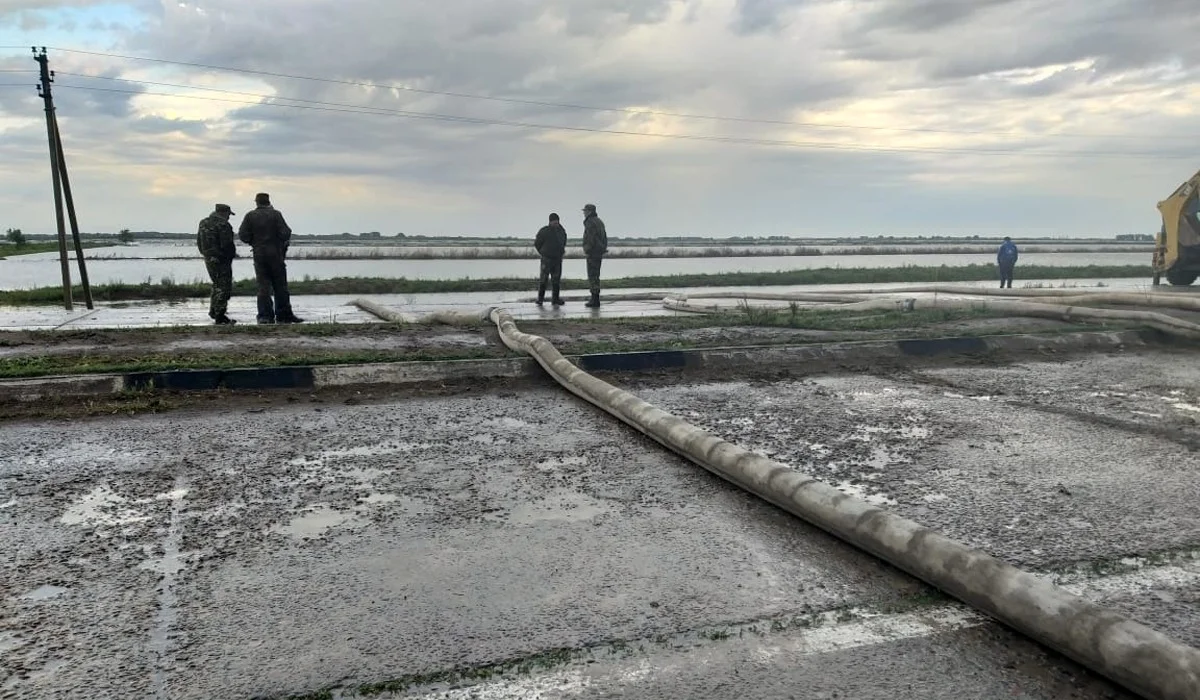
215	241
595	245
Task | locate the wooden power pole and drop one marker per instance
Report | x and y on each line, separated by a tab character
62	185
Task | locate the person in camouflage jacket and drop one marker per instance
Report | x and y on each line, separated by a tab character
215	241
595	245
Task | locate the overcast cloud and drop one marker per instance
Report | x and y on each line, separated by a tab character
1028	117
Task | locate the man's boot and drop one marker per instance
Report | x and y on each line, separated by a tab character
595	302
290	318
223	320
555	299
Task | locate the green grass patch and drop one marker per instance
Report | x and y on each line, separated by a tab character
8	250
168	289
921	323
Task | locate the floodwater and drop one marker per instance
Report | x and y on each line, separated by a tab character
182	264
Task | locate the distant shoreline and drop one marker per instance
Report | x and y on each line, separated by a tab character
166	290
305	251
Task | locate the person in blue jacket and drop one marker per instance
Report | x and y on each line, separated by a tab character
1006	260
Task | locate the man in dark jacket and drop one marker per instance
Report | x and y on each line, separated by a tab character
551	245
215	241
595	245
268	233
1006	260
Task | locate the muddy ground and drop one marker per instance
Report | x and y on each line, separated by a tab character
505	541
285	339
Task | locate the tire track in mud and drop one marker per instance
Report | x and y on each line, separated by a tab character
169	566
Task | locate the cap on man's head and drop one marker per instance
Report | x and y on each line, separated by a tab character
1007	238
589	207
262	198
224	209
554	217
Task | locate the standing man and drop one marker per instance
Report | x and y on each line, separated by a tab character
265	230
1006	260
215	241
551	245
595	245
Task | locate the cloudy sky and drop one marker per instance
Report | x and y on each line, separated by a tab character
478	117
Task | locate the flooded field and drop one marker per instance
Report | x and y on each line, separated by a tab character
183	264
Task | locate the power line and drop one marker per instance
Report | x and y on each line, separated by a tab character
567	105
379	111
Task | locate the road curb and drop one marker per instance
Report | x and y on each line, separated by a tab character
400	373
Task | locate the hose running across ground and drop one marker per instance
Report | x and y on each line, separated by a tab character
1059	307
1136	656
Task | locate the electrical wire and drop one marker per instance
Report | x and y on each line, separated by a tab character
379	111
567	105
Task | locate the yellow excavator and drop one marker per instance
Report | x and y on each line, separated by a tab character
1177	248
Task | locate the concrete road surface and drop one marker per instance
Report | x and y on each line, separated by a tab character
514	543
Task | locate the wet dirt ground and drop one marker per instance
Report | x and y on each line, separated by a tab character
514	543
283	340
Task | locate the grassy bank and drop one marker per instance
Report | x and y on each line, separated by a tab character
167	290
9	250
139	350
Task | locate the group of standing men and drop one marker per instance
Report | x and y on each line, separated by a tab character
267	233
551	246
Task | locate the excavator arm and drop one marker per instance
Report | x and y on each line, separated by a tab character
1177	249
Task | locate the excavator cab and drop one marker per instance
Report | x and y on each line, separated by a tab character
1177	248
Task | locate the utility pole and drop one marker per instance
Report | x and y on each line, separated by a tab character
66	185
51	132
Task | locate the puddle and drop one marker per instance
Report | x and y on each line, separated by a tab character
506	423
860	491
316	522
887	391
952	395
936	498
377	498
101	507
881	458
1181	404
1147	414
9	504
46	592
380	450
555	463
565	506
365	476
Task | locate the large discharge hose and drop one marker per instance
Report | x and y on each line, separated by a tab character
1064	309
1136	656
